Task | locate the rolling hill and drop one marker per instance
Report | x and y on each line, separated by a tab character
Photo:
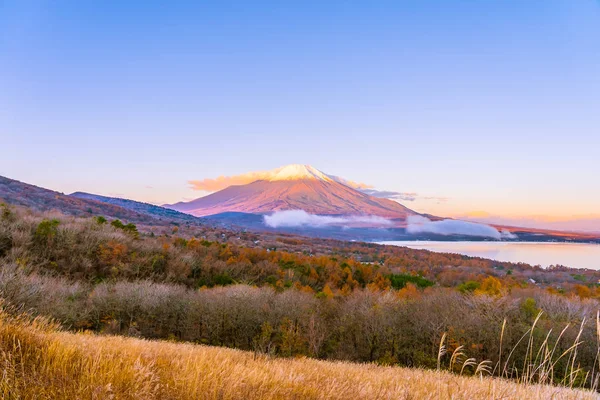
84	205
152	210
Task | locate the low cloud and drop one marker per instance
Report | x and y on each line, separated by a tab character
213	185
216	184
418	224
387	194
299	218
401	196
354	185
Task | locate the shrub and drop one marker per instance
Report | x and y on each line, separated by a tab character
46	230
399	281
5	241
529	308
118	224
468	286
223	279
6	213
131	229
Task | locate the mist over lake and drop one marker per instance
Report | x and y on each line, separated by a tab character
574	255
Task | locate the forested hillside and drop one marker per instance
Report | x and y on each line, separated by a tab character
289	296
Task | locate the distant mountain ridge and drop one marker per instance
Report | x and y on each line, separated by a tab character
138	206
295	187
84	205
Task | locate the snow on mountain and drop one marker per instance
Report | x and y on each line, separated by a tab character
295	172
295	187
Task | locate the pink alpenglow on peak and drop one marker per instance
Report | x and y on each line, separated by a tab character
297	171
293	187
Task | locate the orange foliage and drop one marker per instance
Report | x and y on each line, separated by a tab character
328	292
490	286
583	291
410	291
112	253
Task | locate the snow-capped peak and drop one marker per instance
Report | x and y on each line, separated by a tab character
297	171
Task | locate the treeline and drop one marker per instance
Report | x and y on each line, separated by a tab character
387	327
97	250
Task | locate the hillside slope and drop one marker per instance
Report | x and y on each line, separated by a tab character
43	363
37	198
140	207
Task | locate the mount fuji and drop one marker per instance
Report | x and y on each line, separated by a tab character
297	187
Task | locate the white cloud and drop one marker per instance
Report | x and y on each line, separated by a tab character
418	224
221	182
401	196
297	218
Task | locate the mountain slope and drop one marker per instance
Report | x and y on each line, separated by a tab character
139	207
295	187
31	196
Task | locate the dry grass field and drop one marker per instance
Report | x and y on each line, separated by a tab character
41	362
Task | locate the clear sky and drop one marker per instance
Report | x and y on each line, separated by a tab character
493	106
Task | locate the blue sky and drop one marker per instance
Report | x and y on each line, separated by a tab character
494	105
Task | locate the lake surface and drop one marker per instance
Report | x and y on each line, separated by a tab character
574	255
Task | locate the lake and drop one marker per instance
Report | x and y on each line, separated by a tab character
574	255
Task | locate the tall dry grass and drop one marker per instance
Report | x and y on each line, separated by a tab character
38	361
